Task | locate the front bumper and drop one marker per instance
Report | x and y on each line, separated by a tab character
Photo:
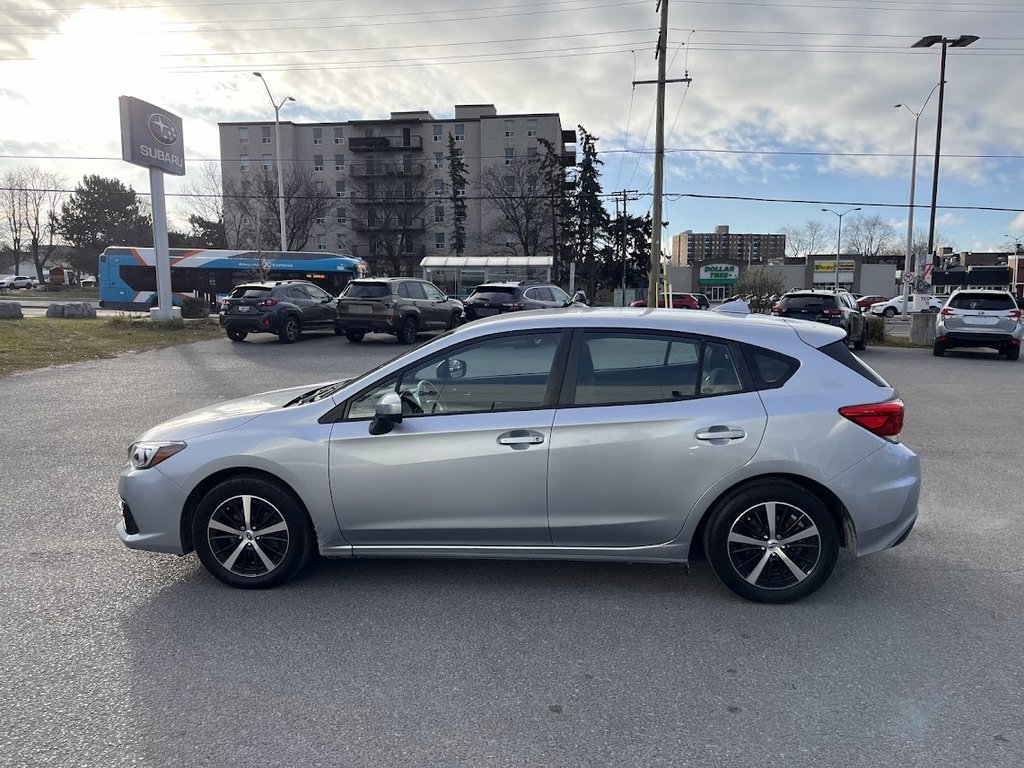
154	505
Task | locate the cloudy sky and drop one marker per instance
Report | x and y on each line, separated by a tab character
790	99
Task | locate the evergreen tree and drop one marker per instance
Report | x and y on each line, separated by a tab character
457	190
589	212
102	212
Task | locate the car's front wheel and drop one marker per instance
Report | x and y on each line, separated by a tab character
290	330
354	336
251	533
890	312
236	335
773	542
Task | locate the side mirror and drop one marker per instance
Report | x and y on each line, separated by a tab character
387	413
453	368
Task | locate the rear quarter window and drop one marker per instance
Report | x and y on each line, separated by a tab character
770	369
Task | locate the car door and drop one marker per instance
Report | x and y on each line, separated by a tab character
470	469
653	419
323	307
437	306
418	299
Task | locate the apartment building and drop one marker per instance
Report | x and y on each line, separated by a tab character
694	247
389	178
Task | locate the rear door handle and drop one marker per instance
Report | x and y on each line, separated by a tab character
720	433
521	437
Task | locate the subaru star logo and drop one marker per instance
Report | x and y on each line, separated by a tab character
162	129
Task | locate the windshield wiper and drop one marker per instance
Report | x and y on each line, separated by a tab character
317	394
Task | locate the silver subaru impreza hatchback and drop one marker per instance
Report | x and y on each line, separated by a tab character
761	444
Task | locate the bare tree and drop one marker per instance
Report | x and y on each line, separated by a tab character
256	199
40	199
868	236
395	193
810	237
11	186
516	191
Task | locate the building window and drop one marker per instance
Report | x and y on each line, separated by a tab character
510	155
531	126
243	135
243	162
460	191
266	162
460	132
341	217
438	187
342	242
339	162
339	188
319	187
318	163
318	135
439	160
265	134
531	154
439	214
321	220
339	134
510	240
439	241
438	132
321	242
510	129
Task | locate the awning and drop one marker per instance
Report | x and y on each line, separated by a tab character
454	262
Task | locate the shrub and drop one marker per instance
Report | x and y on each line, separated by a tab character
876	330
194	307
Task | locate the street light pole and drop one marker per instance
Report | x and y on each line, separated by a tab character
926	42
839	239
908	261
280	173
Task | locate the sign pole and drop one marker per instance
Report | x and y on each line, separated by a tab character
164	309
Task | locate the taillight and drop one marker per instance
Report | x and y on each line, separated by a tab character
948	312
882	419
777	309
1014	314
268	302
224	304
512	306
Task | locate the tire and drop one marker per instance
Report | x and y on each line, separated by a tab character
862	343
339	331
454	321
234	558
745	513
938	349
1013	352
890	312
407	333
354	336
236	335
290	330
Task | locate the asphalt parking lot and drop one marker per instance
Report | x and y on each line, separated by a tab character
115	658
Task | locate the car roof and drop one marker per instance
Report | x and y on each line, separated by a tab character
272	283
385	279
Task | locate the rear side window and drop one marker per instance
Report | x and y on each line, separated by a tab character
839	352
491	293
250	292
771	369
808	302
356	290
982	301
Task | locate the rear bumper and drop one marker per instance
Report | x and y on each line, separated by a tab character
975	338
250	324
366	323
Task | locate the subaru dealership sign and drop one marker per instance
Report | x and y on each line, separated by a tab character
151	136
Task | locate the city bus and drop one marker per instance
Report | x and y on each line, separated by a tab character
127	276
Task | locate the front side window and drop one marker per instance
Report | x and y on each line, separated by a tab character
621	368
433	293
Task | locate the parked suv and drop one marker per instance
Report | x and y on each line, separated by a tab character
979	318
401	306
285	307
835	308
496	298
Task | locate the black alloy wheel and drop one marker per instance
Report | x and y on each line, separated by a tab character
407	333
354	336
290	330
236	335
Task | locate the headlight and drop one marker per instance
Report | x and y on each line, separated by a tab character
146	455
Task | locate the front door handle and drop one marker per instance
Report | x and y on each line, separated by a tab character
521	437
720	433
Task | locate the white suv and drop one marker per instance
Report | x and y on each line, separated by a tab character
979	318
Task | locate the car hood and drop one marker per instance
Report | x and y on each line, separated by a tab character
230	414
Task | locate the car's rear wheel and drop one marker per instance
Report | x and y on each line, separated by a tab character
773	542
251	533
862	343
938	349
1013	352
407	333
354	336
236	335
454	321
290	330
889	312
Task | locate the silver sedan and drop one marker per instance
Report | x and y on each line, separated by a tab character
762	444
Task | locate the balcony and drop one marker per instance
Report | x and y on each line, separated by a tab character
385	143
391	225
381	170
385	200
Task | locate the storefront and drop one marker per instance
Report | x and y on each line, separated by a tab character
825	277
717	281
457	276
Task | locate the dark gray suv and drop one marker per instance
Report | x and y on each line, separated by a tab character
284	307
497	298
837	308
401	306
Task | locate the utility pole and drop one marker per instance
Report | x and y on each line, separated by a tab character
659	153
627	195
